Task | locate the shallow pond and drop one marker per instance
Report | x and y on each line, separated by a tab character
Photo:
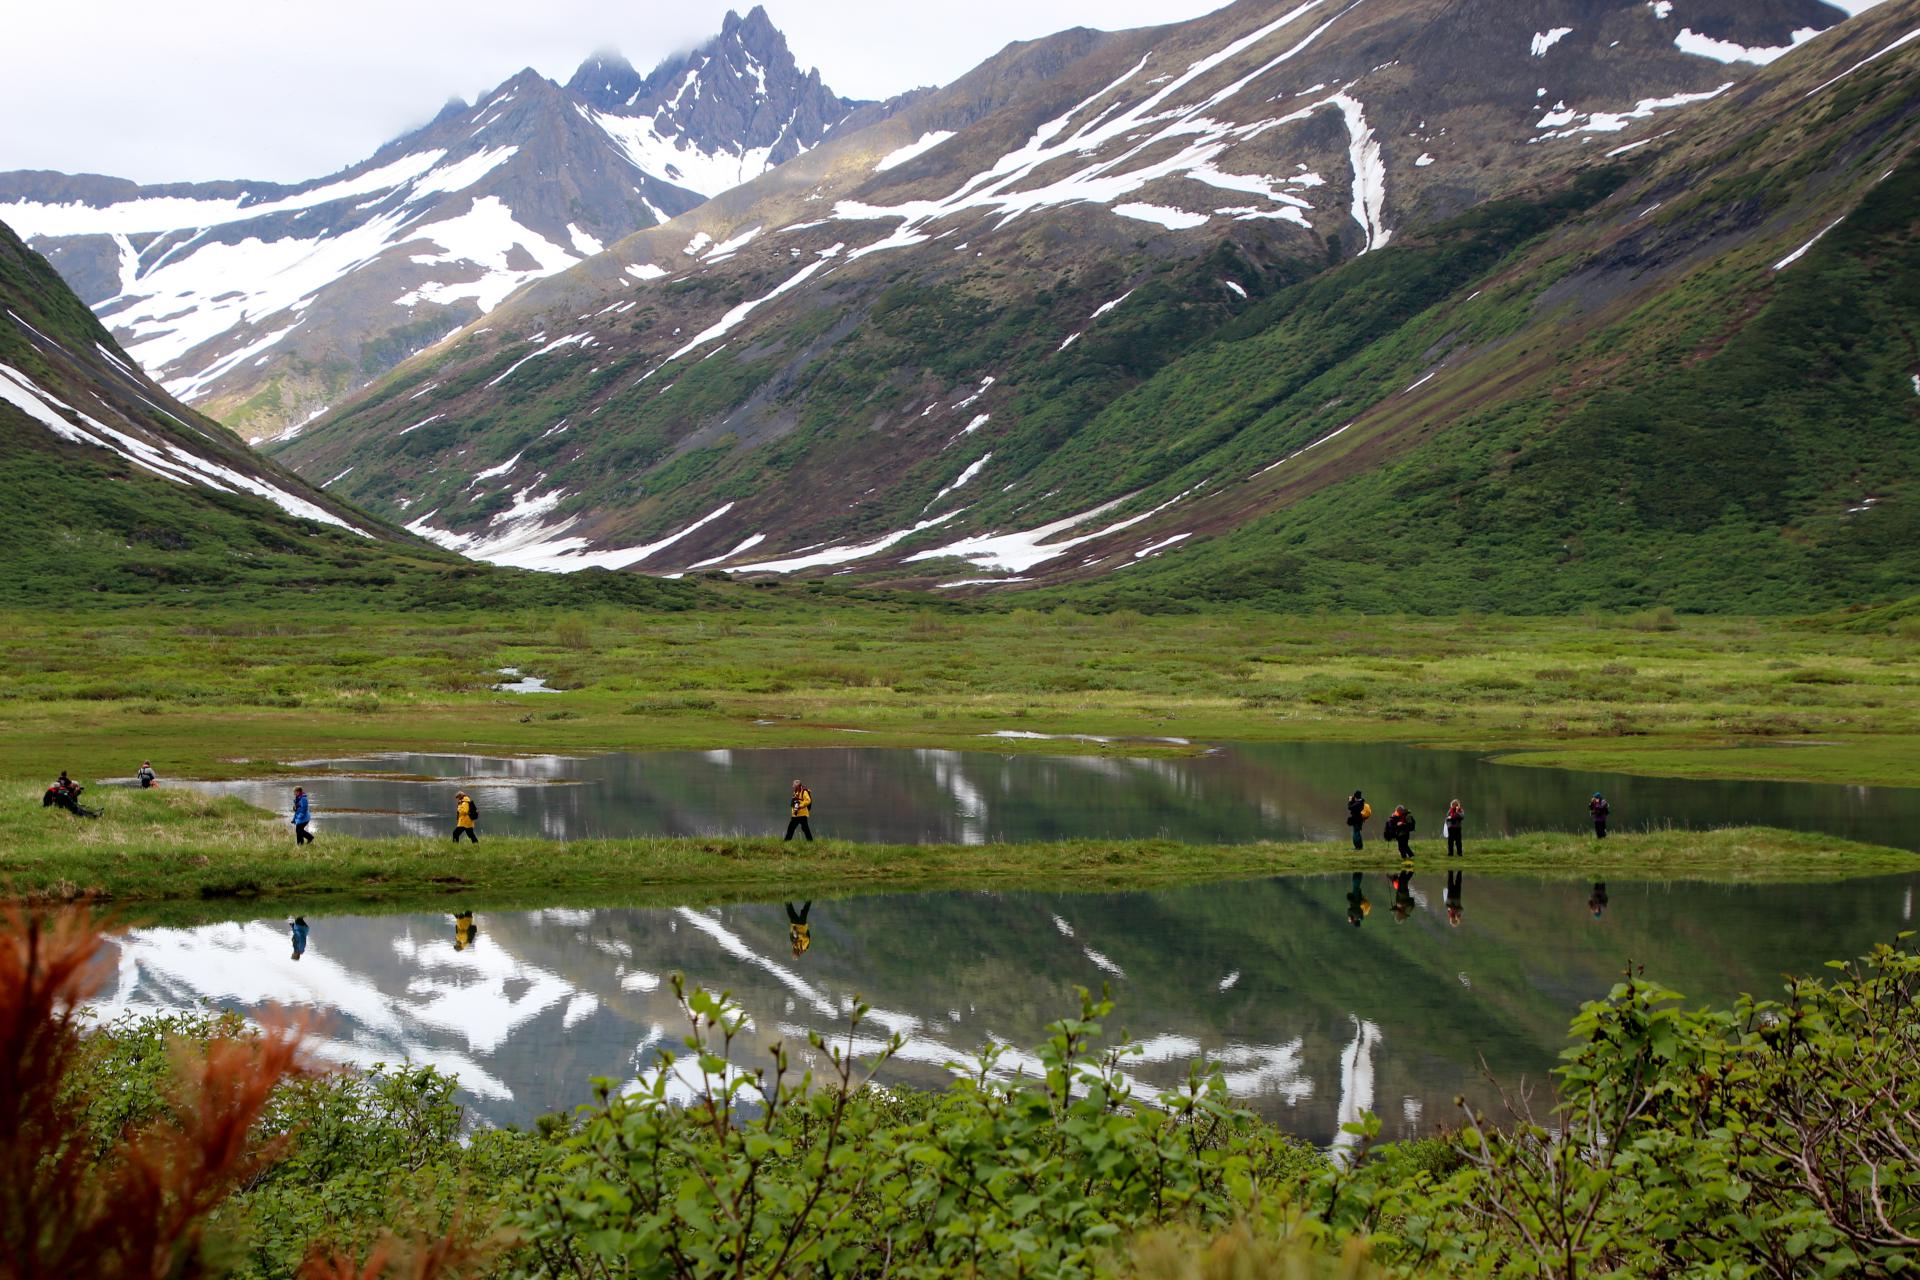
1310	1018
1280	791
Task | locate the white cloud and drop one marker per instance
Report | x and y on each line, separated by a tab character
240	89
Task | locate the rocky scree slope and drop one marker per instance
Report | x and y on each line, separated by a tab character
923	351
263	304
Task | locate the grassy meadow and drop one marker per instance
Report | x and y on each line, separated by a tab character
206	693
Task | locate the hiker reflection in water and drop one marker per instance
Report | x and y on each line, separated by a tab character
1597	900
1403	903
465	931
799	932
298	928
1452	898
1358	908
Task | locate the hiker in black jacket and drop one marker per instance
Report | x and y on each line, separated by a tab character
1598	809
1357	811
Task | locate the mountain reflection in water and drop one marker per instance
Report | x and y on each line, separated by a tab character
1309	1019
1240	792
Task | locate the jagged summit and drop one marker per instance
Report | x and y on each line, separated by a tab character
606	81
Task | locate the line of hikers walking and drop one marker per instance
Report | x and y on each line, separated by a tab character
466	812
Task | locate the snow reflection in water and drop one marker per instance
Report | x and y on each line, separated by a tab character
1312	1022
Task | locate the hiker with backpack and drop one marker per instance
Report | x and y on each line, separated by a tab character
1399	829
464	813
146	776
1358	811
1451	825
1598	809
1358	908
800	809
302	815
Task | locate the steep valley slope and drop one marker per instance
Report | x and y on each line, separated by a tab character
1428	303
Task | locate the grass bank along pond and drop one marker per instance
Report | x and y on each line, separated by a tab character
1311	1019
1238	792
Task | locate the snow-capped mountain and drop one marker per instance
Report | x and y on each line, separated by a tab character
947	348
265	304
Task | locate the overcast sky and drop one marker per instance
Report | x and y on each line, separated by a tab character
290	89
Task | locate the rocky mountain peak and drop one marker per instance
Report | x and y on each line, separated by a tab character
606	81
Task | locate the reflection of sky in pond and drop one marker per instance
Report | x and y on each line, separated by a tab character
1248	791
1308	1019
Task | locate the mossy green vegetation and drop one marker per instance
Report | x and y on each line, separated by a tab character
219	692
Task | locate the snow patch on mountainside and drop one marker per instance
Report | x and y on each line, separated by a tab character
1545	40
1724	51
164	459
523	538
920	146
674	158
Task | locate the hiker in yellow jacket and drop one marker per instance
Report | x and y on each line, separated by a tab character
464	812
801	808
799	932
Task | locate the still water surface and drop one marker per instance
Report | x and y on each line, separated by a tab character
1310	1019
1254	791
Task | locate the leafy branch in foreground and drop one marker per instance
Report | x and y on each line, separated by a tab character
1777	1138
705	1168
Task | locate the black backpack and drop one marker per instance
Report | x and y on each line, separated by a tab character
473	807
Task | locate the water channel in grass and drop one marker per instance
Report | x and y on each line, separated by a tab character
1232	793
1310	1018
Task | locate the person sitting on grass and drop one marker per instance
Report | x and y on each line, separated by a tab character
65	794
464	812
146	777
800	808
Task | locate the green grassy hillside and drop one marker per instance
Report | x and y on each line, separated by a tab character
83	524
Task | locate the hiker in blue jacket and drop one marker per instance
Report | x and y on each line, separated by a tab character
302	815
